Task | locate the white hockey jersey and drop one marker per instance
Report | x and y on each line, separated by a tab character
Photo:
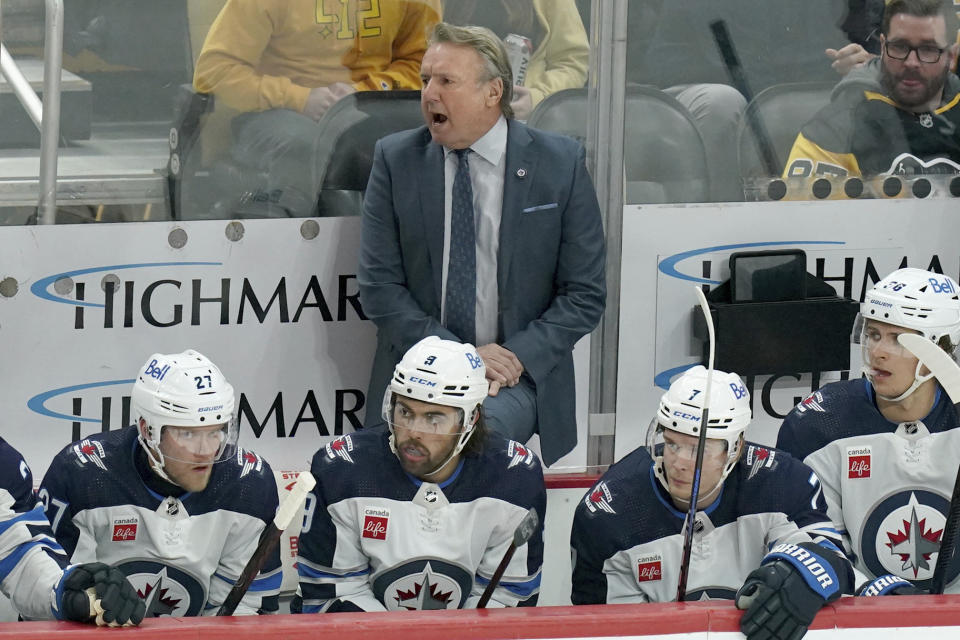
887	485
31	561
375	537
627	536
181	552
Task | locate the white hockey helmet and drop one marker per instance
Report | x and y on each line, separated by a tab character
182	391
439	372
915	299
681	408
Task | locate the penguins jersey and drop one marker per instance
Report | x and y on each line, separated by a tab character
627	536
31	561
182	554
870	136
377	538
887	485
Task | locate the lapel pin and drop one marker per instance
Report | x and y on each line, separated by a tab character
521	173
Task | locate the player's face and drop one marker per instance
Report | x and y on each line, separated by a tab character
189	453
425	434
679	461
891	368
458	105
913	84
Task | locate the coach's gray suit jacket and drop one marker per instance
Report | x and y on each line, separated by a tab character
550	269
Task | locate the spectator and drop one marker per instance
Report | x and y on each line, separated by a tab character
419	517
561	52
34	571
283	64
760	519
181	513
886	446
479	229
896	114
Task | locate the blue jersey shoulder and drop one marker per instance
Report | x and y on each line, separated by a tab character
16	478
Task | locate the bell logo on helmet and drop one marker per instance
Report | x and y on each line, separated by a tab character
941	287
426	383
739	390
154	371
475	360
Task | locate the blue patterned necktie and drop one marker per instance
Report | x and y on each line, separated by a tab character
461	298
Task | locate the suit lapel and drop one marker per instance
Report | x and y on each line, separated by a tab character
520	171
431	207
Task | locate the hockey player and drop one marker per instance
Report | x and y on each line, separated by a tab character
760	525
171	500
886	446
419	514
34	572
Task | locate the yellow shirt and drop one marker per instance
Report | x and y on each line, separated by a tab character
267	54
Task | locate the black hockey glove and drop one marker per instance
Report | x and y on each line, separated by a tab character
784	594
890	585
98	592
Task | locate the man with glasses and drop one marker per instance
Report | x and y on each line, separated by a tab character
886	446
418	515
899	113
761	534
171	500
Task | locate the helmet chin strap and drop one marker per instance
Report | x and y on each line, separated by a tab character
917	381
461	443
660	471
155	458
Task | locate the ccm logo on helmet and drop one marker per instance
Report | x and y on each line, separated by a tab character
686	416
154	371
422	381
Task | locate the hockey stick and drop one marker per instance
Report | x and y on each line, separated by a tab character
268	540
701	445
521	536
947	373
731	61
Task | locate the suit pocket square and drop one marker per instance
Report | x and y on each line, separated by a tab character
541	207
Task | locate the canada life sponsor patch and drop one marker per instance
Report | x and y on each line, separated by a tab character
340	448
519	454
90	451
858	462
375	522
125	529
649	568
599	499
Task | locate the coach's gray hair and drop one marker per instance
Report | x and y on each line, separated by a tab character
491	50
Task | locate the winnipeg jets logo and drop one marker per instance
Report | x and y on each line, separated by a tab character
914	542
159	597
90	451
811	403
902	536
425	591
599	499
340	448
249	460
519	454
166	590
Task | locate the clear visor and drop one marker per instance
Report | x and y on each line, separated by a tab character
213	443
675	444
875	337
426	417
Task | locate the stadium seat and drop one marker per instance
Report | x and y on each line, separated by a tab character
224	189
664	159
782	109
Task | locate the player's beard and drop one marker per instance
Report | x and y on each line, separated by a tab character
931	86
429	464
